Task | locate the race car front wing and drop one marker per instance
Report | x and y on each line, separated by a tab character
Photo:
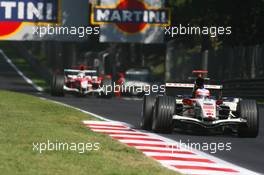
99	90
210	124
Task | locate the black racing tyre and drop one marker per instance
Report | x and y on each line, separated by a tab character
147	111
247	109
108	88
57	84
164	110
52	85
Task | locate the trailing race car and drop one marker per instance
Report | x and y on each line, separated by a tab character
137	82
82	81
163	113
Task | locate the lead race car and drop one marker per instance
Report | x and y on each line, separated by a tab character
163	113
81	80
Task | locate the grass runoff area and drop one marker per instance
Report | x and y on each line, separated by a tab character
26	120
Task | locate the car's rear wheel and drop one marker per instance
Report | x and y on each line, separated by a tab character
57	84
164	110
147	111
248	110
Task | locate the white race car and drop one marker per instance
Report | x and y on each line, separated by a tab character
82	81
163	113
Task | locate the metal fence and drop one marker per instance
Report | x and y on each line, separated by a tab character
251	88
237	63
245	62
240	69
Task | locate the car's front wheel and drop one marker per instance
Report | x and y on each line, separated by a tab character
147	111
164	110
248	110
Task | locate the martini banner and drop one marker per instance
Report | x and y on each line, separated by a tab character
131	21
43	19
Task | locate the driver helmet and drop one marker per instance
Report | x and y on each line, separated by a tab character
81	75
202	93
199	82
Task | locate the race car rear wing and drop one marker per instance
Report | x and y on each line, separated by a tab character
188	85
77	71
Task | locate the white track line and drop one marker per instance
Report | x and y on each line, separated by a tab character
81	110
29	81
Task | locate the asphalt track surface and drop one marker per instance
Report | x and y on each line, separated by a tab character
245	152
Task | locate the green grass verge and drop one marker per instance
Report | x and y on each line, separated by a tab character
25	120
261	102
22	64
